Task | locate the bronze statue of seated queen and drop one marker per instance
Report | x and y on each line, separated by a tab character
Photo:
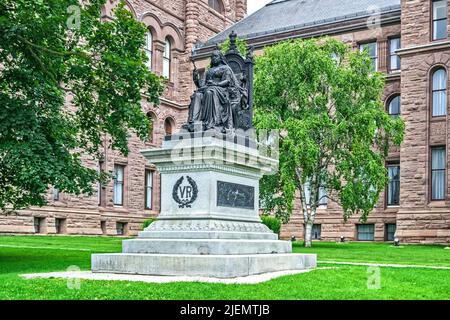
221	102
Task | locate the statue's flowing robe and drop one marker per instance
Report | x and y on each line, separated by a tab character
216	110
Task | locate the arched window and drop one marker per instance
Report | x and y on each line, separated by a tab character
439	93
152	118
149	49
168	126
394	107
167	57
216	5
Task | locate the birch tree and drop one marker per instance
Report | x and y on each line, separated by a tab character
325	100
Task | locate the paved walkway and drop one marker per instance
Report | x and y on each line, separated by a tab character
88	275
384	265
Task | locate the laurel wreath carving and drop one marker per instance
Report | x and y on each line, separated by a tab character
185	203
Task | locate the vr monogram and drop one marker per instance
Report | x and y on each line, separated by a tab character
185	195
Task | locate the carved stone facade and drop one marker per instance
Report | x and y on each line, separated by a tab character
183	23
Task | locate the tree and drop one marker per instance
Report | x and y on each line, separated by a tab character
58	50
325	100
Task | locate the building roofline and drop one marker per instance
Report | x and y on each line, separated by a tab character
357	15
262	39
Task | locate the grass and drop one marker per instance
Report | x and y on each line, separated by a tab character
19	255
385	253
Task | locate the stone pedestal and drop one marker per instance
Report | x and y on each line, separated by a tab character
209	223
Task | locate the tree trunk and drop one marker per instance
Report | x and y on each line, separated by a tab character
308	233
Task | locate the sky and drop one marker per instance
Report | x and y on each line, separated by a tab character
253	5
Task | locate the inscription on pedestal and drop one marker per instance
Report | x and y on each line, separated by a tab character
235	195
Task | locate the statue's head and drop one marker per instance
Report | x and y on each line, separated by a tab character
217	58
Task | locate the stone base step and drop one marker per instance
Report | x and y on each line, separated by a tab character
207	235
216	266
205	246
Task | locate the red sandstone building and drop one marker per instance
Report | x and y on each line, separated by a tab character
119	208
408	40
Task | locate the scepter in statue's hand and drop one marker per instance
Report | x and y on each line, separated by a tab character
196	74
192	58
193	62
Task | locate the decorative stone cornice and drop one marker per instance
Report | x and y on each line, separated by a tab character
170	103
174	104
213	155
210	167
433	46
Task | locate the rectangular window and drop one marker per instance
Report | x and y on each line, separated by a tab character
166	68
121	228
103	227
149	49
390	231
439	19
167	57
55	194
394	44
438	173
149	57
366	232
60	225
372	50
393	189
316	231
148	189
323	199
39	225
118	184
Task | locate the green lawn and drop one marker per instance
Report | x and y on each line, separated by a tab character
385	253
20	255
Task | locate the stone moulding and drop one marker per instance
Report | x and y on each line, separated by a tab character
207	225
184	157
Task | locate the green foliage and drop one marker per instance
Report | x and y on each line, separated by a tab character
30	254
240	44
148	222
272	223
99	67
334	131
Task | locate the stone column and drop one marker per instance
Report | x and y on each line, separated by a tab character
191	38
383	55
241	9
158	55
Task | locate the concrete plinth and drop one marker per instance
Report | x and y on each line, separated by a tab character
214	266
206	246
209	223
